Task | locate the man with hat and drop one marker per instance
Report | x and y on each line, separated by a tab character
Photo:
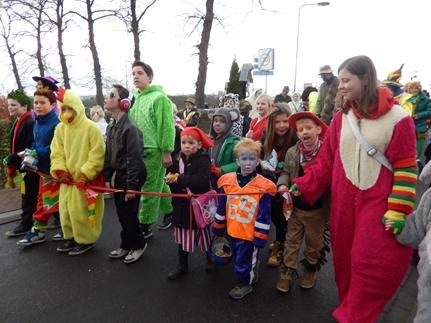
190	114
325	107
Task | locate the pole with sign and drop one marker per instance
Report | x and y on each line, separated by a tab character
264	64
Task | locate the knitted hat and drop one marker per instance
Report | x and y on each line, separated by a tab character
307	115
234	97
199	135
393	81
229	116
48	80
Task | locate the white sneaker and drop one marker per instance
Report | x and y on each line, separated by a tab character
134	255
118	253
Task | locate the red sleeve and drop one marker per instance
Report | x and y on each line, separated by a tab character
403	142
318	178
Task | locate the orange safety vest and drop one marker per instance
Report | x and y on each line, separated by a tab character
241	210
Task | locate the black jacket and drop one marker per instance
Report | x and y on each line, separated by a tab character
125	154
24	139
196	177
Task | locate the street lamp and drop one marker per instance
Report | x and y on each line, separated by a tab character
322	4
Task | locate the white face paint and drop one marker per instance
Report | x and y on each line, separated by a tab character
247	161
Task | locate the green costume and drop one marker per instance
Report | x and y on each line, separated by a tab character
152	112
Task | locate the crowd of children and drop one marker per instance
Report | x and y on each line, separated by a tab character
275	168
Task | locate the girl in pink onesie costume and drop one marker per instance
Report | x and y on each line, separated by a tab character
369	264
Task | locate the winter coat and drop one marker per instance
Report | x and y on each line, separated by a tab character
125	154
24	139
417	234
423	112
196	177
43	133
325	106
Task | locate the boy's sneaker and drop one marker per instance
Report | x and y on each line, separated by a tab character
285	281
135	255
240	291
58	236
118	253
308	279
79	249
166	223
67	246
17	231
33	236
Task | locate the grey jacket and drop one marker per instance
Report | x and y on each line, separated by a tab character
417	234
291	166
325	106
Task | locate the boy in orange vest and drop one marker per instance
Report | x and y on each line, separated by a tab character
246	216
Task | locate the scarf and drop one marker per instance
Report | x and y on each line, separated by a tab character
305	156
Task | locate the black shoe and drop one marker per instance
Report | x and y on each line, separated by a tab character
79	249
166	223
177	273
146	230
19	230
67	246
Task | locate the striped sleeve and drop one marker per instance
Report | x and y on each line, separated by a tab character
219	224
262	222
402	197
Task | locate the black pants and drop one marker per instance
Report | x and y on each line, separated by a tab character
131	236
29	199
278	218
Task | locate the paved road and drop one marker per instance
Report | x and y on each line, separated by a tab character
38	284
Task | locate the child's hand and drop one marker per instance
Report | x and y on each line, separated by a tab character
216	171
63	177
282	189
171	178
294	190
394	221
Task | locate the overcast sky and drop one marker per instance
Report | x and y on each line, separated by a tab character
390	32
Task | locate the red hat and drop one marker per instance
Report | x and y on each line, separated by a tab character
199	135
307	115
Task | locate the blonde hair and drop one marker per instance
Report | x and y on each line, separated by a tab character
174	108
267	98
414	85
247	144
97	113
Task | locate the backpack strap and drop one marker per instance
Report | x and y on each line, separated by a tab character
370	150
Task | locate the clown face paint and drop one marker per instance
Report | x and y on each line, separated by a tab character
67	114
219	125
247	161
189	145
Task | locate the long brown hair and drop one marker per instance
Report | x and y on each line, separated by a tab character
363	67
289	139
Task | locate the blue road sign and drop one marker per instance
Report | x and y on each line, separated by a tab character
259	73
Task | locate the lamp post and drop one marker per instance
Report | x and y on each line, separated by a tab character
322	4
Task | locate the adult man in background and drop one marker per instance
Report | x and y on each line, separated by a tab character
283	96
325	107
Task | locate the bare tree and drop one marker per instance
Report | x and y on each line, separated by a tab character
132	18
207	20
60	22
6	19
33	13
92	15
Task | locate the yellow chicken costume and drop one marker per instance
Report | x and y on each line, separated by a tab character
77	155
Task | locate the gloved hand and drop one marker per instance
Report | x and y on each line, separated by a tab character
294	190
63	176
82	181
394	220
216	170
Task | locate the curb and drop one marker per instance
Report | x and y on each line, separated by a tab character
10	216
